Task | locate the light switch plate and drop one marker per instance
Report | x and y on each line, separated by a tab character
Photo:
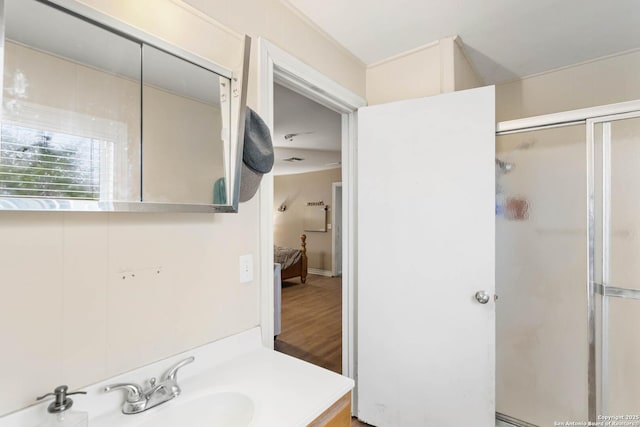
246	268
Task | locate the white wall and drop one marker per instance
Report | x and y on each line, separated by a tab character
465	75
271	19
190	147
67	316
443	66
411	75
603	81
435	68
72	312
297	190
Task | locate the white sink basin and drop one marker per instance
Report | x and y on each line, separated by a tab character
212	410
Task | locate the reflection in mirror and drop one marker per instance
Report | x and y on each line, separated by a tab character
184	108
98	115
70	109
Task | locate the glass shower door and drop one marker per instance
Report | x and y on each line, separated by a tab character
617	266
541	276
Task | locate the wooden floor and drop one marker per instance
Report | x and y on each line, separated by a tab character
312	323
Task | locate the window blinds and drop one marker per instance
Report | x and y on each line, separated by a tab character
40	163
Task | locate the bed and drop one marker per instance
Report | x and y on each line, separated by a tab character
293	261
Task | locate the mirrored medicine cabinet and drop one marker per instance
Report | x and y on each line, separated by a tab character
99	116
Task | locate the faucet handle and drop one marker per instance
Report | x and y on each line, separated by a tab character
172	373
134	391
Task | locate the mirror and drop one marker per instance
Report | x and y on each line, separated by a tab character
70	108
192	143
99	116
315	216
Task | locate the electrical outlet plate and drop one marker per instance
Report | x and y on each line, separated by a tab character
246	268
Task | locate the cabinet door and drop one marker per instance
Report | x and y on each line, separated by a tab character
338	415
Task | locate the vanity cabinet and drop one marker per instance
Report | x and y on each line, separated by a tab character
338	414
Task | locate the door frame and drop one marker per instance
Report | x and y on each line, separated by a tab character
278	66
334	201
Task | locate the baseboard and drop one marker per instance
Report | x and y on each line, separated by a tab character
319	272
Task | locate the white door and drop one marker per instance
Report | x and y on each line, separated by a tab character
426	220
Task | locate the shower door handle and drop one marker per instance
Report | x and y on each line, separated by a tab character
482	297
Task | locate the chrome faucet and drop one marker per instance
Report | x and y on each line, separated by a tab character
139	400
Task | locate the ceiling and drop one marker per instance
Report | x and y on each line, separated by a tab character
505	39
312	131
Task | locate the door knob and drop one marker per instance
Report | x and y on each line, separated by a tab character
482	297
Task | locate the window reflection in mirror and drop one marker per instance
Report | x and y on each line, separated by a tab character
71	108
184	106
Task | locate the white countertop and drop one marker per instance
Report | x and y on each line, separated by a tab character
285	392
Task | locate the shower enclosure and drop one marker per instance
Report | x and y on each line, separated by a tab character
567	272
615	153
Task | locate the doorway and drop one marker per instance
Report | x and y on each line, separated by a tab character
277	66
307	146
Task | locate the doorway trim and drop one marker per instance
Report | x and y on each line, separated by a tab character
277	66
334	202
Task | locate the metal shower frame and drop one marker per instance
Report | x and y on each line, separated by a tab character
591	117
